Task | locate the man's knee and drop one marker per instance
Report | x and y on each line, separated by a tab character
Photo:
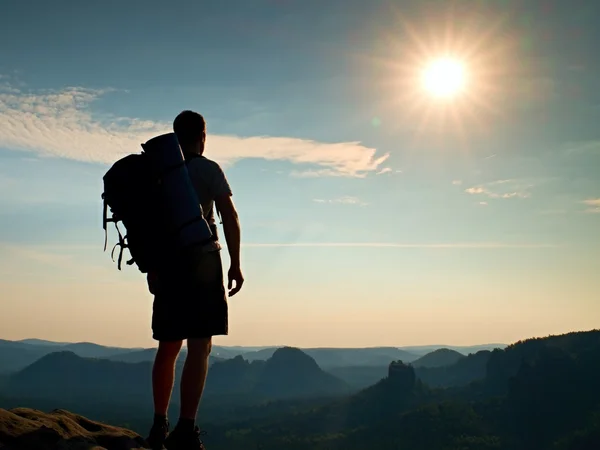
168	350
200	347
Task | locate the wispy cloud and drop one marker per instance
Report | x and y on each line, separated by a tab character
62	124
594	205
457	182
452	245
346	200
385	170
502	189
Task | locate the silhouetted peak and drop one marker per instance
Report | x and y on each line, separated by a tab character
59	356
444	351
401	375
291	357
237	361
438	358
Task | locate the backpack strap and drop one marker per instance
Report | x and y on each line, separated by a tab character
104	220
122	244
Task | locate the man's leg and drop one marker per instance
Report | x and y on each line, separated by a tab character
193	377
163	375
186	434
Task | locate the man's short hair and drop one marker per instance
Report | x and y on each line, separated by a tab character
190	128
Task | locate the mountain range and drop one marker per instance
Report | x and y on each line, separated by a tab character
16	355
536	394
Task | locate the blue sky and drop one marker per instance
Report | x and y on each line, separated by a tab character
365	204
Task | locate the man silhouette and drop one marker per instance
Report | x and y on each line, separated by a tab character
191	304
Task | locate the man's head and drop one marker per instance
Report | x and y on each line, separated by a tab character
190	128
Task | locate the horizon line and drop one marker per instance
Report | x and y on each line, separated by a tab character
267	346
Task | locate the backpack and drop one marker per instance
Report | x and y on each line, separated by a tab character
133	193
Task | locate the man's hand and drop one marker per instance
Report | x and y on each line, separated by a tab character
235	274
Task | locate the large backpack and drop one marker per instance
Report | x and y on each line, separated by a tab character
139	193
133	193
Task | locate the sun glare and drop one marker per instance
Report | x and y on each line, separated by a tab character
446	70
444	78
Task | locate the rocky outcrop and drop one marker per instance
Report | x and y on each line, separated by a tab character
31	429
401	376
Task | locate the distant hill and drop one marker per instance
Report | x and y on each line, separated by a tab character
66	376
16	355
148	355
291	373
325	357
343	357
91	350
537	394
422	350
438	358
258	355
234	376
464	371
373	356
70	377
42	342
359	377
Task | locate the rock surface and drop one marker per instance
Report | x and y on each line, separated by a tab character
31	429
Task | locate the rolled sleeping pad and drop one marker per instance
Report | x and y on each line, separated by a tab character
185	215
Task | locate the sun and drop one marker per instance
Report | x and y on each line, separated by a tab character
444	78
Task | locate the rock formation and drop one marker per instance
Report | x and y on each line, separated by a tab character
31	429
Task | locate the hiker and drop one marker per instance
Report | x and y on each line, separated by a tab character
191	304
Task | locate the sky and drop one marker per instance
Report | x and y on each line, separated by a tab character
373	213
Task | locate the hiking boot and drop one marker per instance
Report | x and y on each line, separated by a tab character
181	439
158	434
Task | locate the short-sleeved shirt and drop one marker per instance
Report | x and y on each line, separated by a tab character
209	182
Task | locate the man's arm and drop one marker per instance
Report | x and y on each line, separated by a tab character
232	230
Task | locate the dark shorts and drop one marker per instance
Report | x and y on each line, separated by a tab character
190	304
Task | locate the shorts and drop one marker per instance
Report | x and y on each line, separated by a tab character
192	303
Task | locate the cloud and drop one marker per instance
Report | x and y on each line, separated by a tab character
384	170
502	189
346	200
62	124
457	182
594	205
451	245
